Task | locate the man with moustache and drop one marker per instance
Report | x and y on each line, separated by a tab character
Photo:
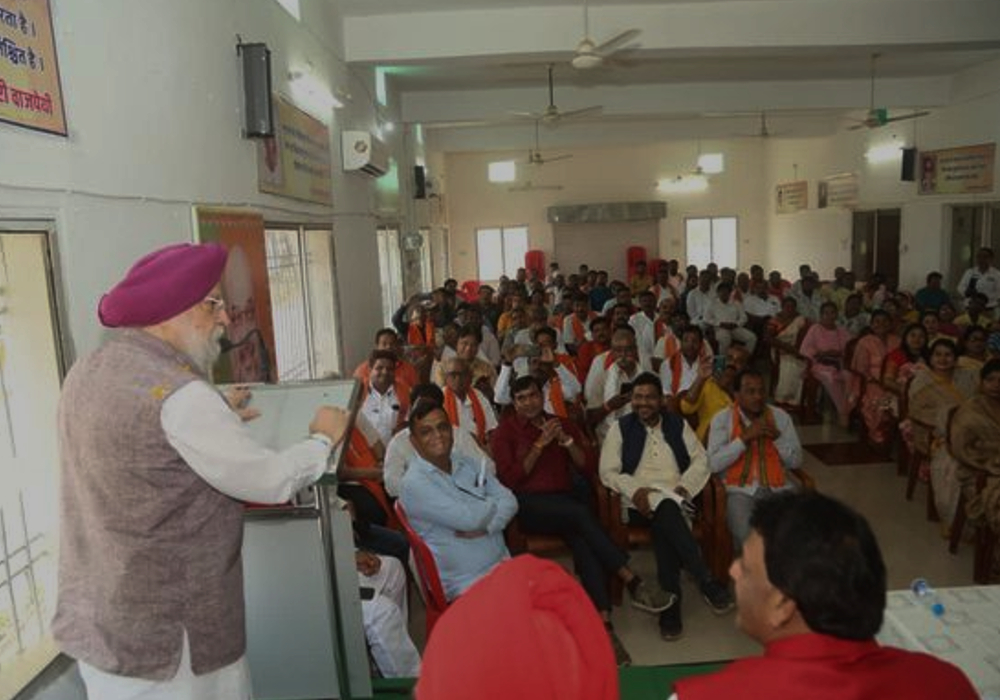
155	463
609	383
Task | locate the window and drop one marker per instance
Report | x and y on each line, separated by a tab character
711	240
300	274
502	171
390	271
291	7
30	368
500	251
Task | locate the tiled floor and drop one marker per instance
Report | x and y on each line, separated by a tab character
910	544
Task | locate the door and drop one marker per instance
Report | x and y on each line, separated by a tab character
972	227
863	244
875	243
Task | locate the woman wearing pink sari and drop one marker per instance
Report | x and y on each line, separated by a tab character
824	346
869	356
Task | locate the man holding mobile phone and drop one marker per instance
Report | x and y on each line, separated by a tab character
611	375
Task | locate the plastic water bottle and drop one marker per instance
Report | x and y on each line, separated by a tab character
923	592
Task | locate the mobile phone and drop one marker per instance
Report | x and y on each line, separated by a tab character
367	592
625	388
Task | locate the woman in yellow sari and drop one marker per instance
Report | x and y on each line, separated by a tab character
933	393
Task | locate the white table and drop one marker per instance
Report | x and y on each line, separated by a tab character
968	635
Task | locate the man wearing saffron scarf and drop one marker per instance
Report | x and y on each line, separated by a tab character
155	463
609	383
536	455
467	408
574	326
751	446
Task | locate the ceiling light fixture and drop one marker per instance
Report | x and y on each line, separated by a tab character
711	163
682	184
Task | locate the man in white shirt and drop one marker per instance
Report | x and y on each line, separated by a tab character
807	298
699	298
467	408
560	387
759	304
644	323
381	405
155	463
574	326
679	371
754	455
609	384
654	461
728	319
983	278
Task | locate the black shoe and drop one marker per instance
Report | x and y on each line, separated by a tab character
622	657
671	627
717	596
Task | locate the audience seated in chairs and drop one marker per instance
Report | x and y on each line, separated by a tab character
610	379
823	347
753	447
467	408
453	502
728	320
653	460
538	457
869	358
712	391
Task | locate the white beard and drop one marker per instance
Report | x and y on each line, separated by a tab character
203	351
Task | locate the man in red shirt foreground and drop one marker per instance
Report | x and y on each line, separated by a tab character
810	587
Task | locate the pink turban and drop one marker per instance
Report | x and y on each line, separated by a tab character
526	631
163	284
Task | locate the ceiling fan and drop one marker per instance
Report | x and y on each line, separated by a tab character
535	156
590	55
879	116
552	114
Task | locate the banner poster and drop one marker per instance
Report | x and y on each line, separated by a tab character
296	161
965	170
247	293
791	196
30	92
837	191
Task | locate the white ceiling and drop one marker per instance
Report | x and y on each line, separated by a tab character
465	64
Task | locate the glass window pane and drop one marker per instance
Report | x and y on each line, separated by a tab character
724	241
322	293
288	307
515	246
502	171
699	241
489	253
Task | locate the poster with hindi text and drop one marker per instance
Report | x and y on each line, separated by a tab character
837	191
247	293
791	197
967	170
30	92
296	161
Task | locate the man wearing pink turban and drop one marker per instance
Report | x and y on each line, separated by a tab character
154	465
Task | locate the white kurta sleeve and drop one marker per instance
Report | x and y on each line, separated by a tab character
215	443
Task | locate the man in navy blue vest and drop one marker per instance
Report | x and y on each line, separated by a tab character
654	460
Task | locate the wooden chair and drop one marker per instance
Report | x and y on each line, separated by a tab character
422	559
708	527
920	453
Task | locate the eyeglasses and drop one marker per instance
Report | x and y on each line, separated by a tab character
216	303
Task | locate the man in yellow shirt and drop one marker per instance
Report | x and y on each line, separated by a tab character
710	394
641	281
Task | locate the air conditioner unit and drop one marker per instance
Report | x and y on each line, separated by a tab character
364	153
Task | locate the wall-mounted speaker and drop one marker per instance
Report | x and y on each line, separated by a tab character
258	117
419	182
908	169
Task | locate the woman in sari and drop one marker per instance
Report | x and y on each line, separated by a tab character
823	347
933	394
784	329
974	440
973	352
869	357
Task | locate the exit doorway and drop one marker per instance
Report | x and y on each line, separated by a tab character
875	244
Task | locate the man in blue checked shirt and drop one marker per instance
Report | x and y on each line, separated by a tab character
453	502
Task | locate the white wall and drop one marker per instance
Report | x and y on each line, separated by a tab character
823	237
153	100
593	175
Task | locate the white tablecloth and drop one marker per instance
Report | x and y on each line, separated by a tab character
968	635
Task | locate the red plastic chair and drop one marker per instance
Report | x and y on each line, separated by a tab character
470	290
653	268
427	573
633	255
535	260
